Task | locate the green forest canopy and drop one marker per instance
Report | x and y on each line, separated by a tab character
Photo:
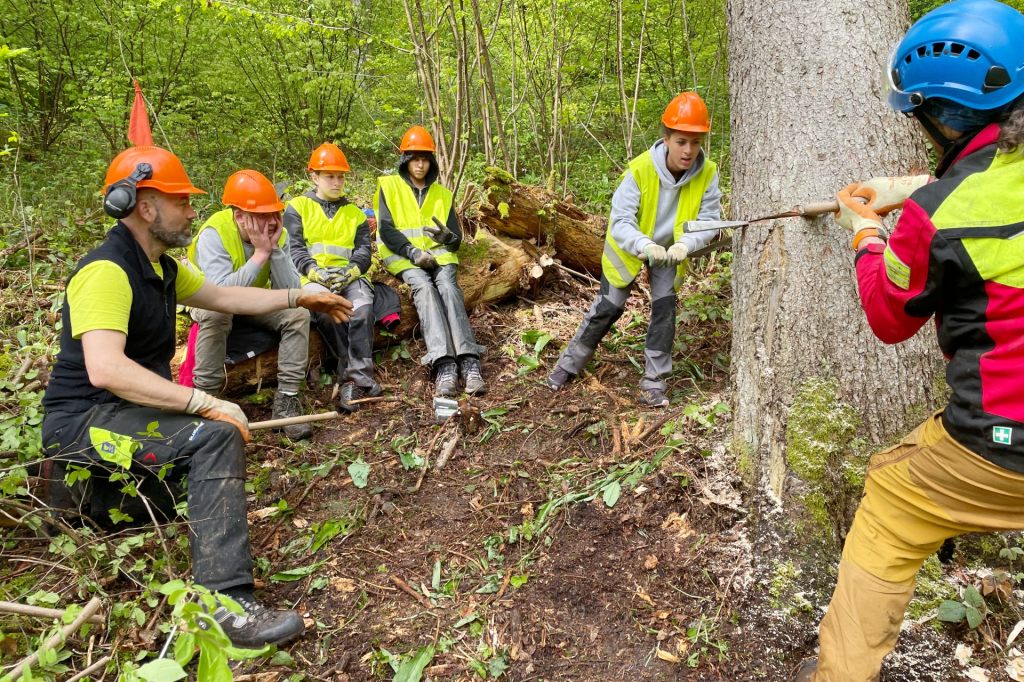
561	92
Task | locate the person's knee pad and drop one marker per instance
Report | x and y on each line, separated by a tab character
663	324
604	317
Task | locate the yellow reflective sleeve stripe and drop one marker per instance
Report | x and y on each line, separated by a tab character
113	447
896	270
99	297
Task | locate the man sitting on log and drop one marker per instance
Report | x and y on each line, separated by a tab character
664	187
330	245
110	403
243	245
418	236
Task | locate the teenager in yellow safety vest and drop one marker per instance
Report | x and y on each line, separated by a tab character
664	187
418	236
244	245
330	246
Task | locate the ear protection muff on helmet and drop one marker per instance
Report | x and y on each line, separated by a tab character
119	201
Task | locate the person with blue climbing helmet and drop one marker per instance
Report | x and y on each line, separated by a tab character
959	71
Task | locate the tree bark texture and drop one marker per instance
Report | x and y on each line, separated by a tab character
529	212
809	116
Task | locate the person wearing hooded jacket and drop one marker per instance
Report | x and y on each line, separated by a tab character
244	245
953	254
664	187
418	236
329	241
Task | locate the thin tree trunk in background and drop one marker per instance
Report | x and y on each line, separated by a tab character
804	124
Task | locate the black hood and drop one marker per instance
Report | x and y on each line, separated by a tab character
403	170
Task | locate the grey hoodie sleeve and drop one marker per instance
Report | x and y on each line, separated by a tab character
283	274
297	241
215	262
710	209
624	219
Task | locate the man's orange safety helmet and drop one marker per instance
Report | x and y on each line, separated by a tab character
168	175
417	139
328	157
251	191
687	113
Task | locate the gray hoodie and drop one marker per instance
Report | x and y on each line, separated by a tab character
625	214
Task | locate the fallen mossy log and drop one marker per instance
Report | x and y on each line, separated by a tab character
529	212
491	269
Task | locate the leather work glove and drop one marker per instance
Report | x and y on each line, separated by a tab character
657	256
338	308
422	259
322	276
206	406
344	276
677	253
440	233
857	217
886	194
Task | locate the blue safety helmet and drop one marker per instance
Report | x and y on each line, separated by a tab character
968	52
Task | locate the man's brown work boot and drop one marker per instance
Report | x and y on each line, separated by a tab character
287	405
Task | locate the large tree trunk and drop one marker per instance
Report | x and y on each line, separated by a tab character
809	116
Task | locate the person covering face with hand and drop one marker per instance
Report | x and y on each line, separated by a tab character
111	406
418	237
330	245
952	255
664	187
244	245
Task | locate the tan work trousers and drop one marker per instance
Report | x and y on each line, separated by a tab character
917	494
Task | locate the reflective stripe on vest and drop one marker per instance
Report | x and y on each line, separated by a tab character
620	267
330	242
410	218
223	222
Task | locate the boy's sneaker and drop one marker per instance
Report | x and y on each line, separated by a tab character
653	397
559	378
257	625
446	379
350	391
288	406
472	377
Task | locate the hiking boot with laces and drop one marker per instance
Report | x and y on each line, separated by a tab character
653	397
559	378
257	625
288	406
472	377
446	379
351	391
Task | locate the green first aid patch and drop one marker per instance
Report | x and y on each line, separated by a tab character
896	270
113	447
1002	435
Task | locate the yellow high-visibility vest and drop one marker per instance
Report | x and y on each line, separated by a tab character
224	222
410	218
618	266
